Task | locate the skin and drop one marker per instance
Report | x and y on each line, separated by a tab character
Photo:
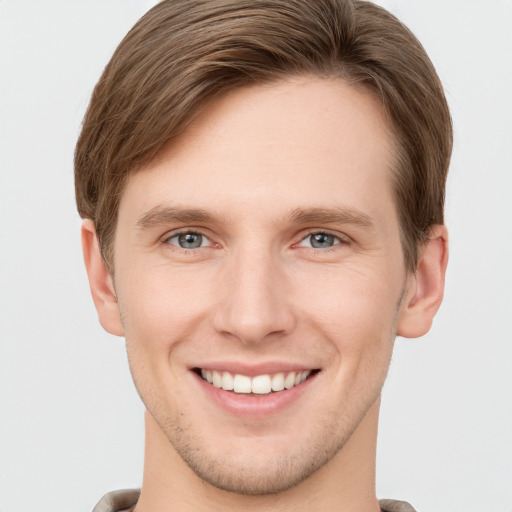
257	292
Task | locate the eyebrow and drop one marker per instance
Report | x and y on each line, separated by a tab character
161	215
331	216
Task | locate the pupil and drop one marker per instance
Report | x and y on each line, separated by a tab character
322	240
190	240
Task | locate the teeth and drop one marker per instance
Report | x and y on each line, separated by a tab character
278	382
289	381
259	385
227	381
217	379
242	384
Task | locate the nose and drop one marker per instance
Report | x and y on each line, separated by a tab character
254	300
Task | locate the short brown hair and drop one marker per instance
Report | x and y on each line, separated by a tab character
183	53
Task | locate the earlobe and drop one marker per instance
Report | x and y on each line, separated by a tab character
100	281
426	286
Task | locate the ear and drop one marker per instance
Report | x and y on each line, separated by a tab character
425	288
100	281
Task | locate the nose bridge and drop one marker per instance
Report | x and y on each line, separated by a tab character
253	301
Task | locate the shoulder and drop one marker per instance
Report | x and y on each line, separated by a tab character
395	506
118	501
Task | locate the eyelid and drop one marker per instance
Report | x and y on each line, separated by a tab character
183	231
341	239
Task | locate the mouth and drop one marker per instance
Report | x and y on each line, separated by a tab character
264	384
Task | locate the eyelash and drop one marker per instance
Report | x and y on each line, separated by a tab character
340	240
177	234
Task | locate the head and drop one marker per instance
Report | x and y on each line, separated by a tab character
264	183
183	55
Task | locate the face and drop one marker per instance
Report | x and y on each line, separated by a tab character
261	252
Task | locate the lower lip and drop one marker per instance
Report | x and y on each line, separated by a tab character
254	406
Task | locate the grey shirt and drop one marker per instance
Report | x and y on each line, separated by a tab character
125	501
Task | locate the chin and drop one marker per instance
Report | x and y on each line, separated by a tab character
260	465
247	476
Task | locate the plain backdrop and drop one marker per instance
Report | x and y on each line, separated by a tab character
71	424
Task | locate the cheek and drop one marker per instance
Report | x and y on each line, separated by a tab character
353	300
161	313
159	304
357	314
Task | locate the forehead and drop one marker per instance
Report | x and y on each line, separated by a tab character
306	142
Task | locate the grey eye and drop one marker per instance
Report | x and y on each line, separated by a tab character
320	241
188	240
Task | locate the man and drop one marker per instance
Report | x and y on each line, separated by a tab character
262	184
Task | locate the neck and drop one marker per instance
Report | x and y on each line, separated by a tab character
346	483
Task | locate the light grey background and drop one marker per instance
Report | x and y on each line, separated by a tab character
70	421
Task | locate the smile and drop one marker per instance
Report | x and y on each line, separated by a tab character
258	385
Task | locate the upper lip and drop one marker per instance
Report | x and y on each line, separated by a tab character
252	370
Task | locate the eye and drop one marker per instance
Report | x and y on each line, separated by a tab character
320	241
189	240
